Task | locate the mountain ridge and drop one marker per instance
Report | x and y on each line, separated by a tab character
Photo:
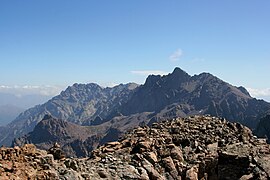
80	104
75	140
167	96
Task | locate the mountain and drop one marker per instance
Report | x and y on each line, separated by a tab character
174	95
198	94
83	104
75	140
197	147
9	113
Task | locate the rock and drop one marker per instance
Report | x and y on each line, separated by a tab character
114	143
141	147
103	174
192	174
71	174
247	177
176	153
153	174
151	157
29	149
140	133
234	161
168	164
106	150
70	163
131	173
57	152
48	159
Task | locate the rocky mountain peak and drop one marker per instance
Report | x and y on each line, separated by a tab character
82	88
244	90
179	72
152	80
208	77
178	76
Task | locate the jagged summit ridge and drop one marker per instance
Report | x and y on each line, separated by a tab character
82	104
168	96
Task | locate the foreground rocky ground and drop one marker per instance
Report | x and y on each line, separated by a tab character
199	147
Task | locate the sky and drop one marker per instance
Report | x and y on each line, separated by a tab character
54	44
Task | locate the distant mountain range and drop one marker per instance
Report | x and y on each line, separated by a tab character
12	105
9	113
123	107
23	101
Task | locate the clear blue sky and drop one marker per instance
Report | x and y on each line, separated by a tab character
60	42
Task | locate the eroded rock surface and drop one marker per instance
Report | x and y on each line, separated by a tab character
198	147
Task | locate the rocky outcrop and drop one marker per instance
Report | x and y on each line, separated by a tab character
198	147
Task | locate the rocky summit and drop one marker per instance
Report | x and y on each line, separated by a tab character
197	147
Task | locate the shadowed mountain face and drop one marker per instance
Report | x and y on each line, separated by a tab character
176	94
263	128
74	139
199	94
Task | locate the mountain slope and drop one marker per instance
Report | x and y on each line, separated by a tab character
83	104
200	94
75	140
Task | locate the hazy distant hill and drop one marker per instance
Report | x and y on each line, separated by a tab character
125	106
9	113
12	105
23	101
